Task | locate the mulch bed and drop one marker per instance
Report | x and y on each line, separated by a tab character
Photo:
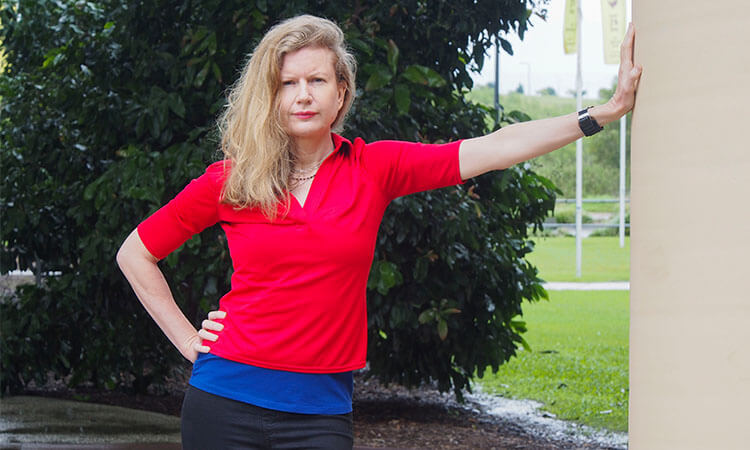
384	417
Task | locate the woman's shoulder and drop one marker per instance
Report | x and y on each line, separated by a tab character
219	170
359	147
213	178
219	166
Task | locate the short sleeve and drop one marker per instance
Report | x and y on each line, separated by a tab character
194	209
402	168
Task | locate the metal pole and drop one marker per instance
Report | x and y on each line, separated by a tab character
528	78
579	146
497	79
623	130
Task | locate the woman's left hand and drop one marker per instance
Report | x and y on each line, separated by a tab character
628	76
523	141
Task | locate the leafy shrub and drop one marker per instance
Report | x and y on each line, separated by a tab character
108	111
451	274
568	216
613	231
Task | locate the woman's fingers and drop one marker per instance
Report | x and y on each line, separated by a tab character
200	348
209	324
627	64
626	48
207	335
217	315
628	74
635	73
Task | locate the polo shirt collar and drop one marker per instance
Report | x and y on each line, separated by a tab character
340	143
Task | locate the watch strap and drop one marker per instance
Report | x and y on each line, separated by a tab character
588	124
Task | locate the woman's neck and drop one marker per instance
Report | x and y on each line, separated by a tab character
310	152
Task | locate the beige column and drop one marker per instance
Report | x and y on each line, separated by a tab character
690	212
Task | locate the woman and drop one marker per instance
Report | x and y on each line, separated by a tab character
301	207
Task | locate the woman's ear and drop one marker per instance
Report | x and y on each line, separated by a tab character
342	94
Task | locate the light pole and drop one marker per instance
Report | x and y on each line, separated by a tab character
528	77
497	79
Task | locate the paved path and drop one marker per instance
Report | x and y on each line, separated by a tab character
577	286
39	423
44	421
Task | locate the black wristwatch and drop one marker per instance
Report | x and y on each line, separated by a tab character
587	123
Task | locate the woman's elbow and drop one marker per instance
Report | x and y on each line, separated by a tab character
123	254
120	256
132	249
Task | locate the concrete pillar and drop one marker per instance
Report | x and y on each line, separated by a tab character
690	211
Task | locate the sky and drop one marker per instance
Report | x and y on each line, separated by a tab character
539	60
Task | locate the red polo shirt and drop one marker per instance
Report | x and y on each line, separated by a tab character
297	300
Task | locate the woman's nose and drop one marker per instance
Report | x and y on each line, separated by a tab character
303	95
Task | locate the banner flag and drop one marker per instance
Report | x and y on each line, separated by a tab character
570	26
613	29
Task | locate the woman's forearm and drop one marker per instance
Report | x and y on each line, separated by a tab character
523	141
151	288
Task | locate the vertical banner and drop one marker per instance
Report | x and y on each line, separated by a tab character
570	26
613	29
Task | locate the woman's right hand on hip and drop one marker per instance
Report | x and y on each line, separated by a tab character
207	327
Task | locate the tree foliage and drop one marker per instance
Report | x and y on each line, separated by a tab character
108	110
549	90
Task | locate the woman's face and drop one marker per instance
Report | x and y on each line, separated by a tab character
310	96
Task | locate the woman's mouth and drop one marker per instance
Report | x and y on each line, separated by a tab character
304	114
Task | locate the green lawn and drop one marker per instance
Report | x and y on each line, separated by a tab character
578	366
591	207
602	259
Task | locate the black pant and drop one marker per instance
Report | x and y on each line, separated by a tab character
212	422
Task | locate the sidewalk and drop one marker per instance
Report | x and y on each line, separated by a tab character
39	423
580	286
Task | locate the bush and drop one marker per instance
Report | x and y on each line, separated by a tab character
568	216
108	111
452	286
613	231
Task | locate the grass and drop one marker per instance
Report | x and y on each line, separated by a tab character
578	366
602	259
591	207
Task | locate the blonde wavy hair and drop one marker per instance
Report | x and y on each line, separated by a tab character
253	139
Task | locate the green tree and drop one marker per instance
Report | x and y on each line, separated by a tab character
547	91
108	110
573	93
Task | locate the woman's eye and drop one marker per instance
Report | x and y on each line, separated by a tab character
287	83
